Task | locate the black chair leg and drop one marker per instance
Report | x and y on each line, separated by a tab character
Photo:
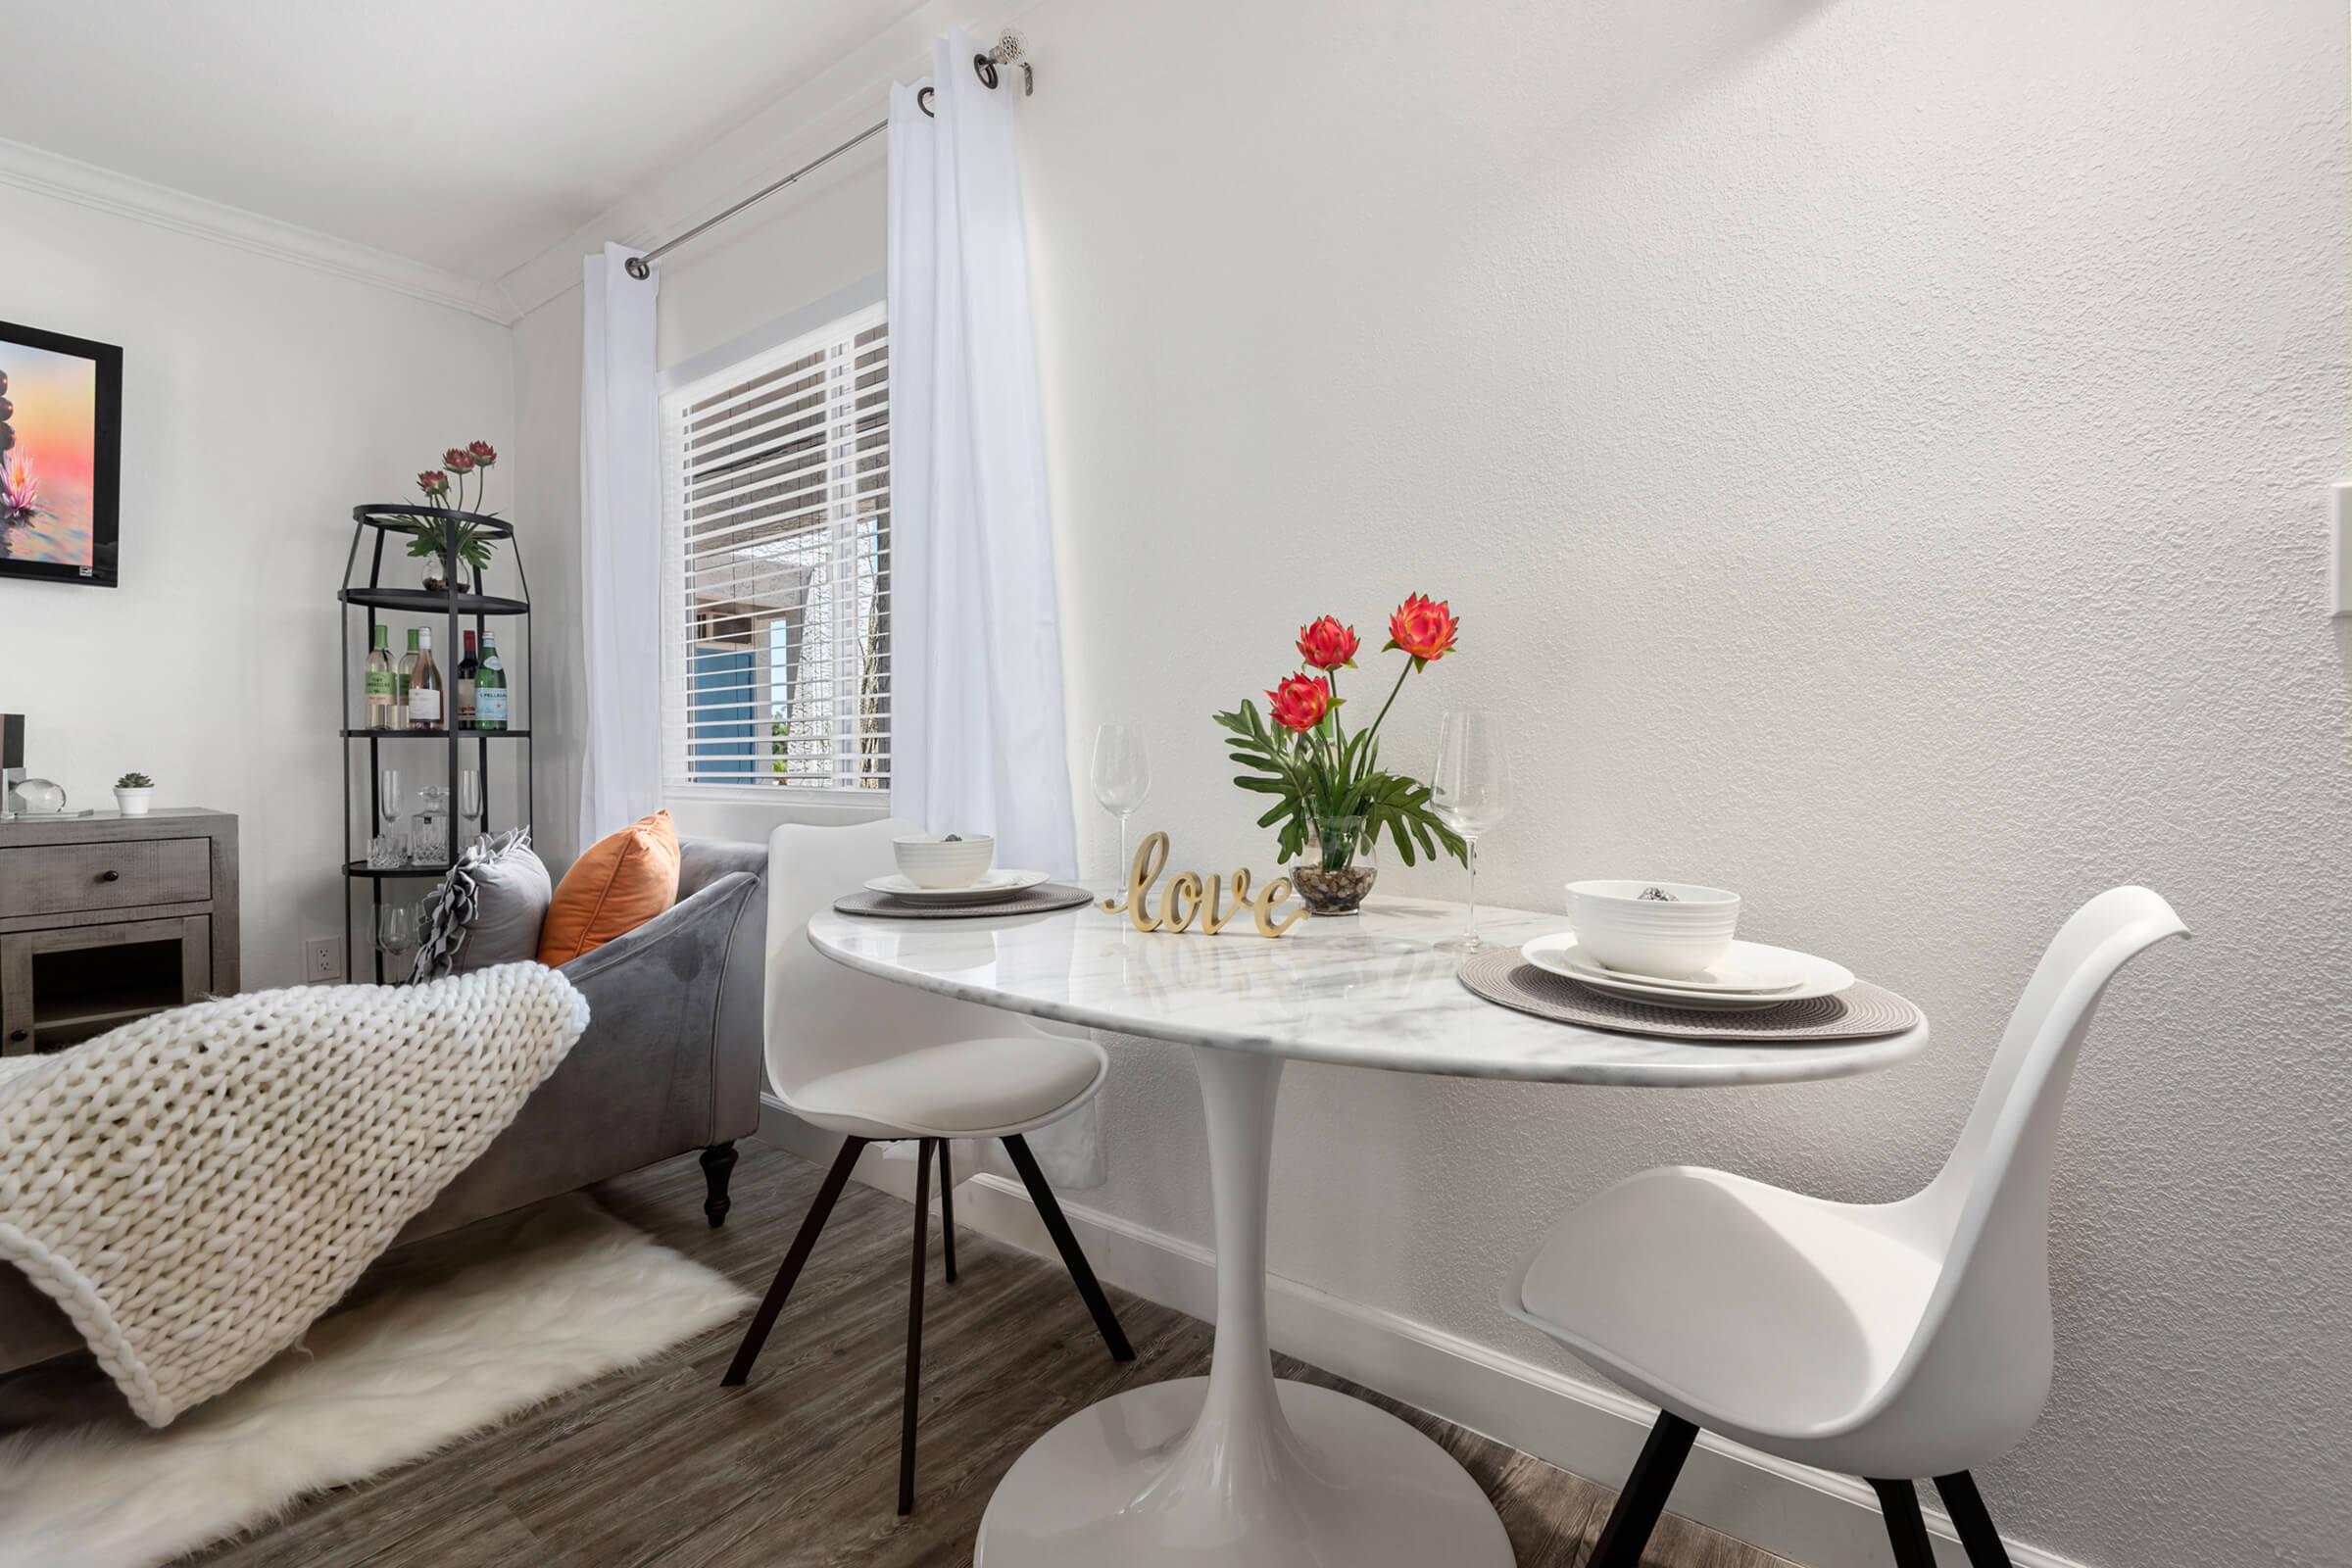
1898	1501
914	1327
1971	1519
1644	1499
1073	1259
947	1209
794	1260
718	1163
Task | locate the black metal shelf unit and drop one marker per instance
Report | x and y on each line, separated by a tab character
463	603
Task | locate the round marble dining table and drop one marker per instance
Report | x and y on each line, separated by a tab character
1240	1469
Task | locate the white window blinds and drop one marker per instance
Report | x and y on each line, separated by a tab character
776	484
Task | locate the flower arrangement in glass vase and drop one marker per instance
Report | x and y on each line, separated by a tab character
1333	799
447	523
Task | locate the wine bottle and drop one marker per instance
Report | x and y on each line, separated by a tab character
402	675
468	667
424	688
380	681
490	687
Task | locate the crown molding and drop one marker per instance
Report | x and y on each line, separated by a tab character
69	179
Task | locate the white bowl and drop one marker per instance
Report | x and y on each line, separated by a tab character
1674	939
932	861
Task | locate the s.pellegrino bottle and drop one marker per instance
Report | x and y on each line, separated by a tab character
380	681
466	669
424	687
490	687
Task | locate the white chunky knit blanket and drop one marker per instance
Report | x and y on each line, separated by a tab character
195	1187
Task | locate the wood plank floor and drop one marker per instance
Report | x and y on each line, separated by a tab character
799	1469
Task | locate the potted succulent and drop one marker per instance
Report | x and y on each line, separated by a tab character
1332	797
132	792
434	533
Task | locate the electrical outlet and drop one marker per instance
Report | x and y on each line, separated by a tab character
323	960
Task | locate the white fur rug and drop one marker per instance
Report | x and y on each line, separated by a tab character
442	1353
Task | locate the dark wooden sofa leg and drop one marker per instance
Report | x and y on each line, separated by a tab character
718	1163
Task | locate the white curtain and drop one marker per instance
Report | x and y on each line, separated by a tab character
976	731
620	548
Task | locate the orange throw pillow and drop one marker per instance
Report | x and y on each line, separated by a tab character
617	886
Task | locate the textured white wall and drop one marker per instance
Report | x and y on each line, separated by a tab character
260	402
1878	453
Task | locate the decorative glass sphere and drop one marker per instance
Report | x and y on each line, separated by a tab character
41	796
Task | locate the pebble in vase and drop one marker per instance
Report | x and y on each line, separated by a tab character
134	791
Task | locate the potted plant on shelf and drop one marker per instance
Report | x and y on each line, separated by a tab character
1332	797
133	793
436	531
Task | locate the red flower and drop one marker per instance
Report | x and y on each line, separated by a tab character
1328	644
482	452
1423	630
1301	702
457	460
434	482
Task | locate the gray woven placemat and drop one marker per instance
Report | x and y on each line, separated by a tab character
1043	899
1858	1013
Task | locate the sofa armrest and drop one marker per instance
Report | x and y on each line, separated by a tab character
655	1074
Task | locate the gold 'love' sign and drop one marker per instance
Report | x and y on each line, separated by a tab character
1187	896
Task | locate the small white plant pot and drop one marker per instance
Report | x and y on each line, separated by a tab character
134	803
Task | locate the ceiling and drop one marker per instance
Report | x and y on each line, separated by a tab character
463	134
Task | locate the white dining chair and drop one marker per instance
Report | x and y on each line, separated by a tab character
1888	1340
881	1062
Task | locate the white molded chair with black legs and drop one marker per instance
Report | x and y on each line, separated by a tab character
1894	1341
880	1062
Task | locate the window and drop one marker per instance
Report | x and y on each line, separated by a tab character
777	493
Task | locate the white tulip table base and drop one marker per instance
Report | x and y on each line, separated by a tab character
1236	1469
1327	1482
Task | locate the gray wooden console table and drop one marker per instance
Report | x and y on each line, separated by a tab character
107	918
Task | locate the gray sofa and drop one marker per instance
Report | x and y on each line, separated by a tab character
670	1062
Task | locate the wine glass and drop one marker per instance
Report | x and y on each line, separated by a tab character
1470	793
394	931
470	801
388	806
1122	776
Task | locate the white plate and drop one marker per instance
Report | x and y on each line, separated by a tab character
1725	978
992	885
1815	977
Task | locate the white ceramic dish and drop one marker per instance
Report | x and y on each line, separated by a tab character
991	885
1678	937
931	861
1726	977
1815	977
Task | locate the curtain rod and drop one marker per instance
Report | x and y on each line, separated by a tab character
1007	51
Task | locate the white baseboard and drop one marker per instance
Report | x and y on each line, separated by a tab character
1807	1516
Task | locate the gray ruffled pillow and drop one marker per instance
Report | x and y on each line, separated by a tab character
487	910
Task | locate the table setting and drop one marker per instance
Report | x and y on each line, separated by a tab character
955	877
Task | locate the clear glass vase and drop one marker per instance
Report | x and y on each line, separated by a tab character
1338	867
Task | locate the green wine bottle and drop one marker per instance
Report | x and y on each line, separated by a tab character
381	682
490	687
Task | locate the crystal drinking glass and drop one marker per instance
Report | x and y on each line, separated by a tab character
1470	793
387	807
1122	776
395	933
